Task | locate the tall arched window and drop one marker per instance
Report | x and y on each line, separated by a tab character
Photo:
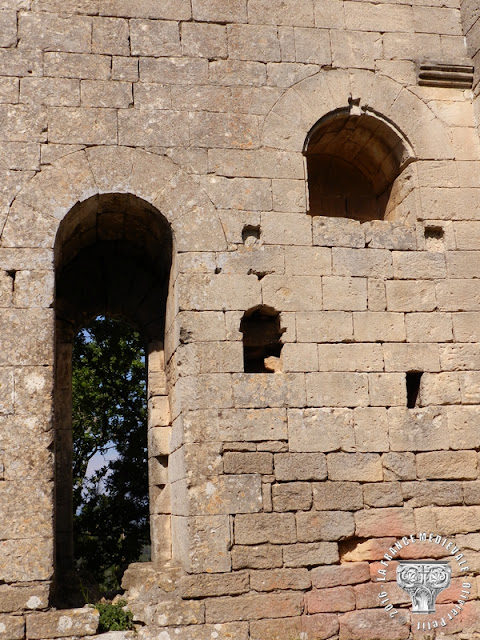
113	255
356	163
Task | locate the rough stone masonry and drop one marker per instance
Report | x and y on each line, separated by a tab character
284	197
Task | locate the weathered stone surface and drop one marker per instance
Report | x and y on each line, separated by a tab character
280	579
308	554
362	467
292	496
324	525
202	586
326	600
447	465
305	466
372	625
197	632
346	496
56	624
320	430
253	607
325	577
256	557
276	528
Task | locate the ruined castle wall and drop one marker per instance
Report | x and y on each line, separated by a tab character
277	491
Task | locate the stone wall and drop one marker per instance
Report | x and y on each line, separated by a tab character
191	135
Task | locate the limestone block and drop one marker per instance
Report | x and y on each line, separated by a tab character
237	425
312	261
324	525
410	295
13	627
349	357
387	389
9	90
99	93
379	18
376	263
280	13
337	232
366	595
7	397
445	20
33	289
394	521
267	390
50	32
204	40
289	195
202	543
23	597
27	338
292	496
202	391
466	326
422	265
447	465
255	100
455	520
358	625
56	624
205	585
380	234
344	496
337	389
196	462
371	429
467	235
201	292
312	46
425	494
326	326
470	389
310	554
458	295
258	528
280	579
388	494
262	557
250	194
440	388
217	11
53	92
237	72
110	36
253	607
471	493
325	600
344	293
462	423
352	49
418	429
238	462
462	264
33	390
196	632
152	128
252	42
156	96
17	62
315	430
300	466
22	504
286	74
168	10
262	163
82	125
398	466
357	467
154	38
180	71
411	357
217	357
221	495
257	259
172	612
125	69
8	28
299	357
459	357
429	327
229	131
22	123
286	228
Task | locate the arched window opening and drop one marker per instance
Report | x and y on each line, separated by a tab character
110	478
112	259
262	344
356	166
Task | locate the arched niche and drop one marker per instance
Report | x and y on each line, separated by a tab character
355	161
112	256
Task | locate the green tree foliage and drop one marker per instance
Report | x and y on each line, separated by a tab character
111	525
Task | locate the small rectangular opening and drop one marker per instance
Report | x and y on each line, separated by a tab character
413	379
